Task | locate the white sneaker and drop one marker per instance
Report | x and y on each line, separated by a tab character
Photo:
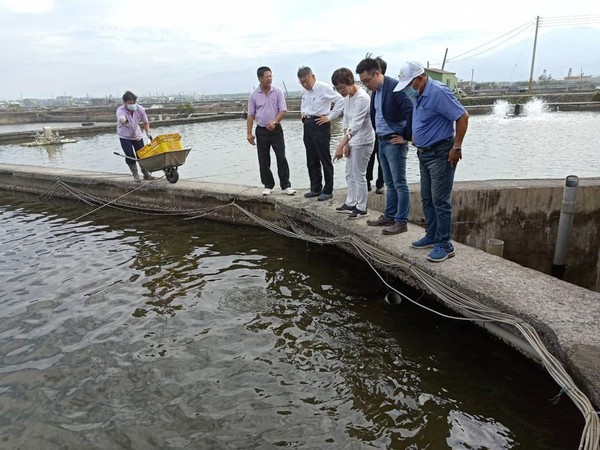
289	191
267	191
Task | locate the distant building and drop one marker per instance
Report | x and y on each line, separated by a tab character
31	102
578	78
448	78
102	101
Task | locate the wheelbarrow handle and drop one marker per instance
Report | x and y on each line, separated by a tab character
125	156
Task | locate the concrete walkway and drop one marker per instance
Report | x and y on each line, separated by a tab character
566	317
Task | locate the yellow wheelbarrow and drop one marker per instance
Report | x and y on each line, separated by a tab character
165	152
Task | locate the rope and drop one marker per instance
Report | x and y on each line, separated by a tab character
53	189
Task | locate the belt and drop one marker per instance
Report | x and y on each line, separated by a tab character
311	117
387	137
435	145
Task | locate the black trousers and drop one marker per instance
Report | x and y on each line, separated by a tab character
317	140
265	140
379	182
130	147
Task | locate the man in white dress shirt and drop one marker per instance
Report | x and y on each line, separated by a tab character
320	105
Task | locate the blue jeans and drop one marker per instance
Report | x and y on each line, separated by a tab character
393	165
437	178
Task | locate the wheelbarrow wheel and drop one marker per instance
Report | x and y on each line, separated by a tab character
172	174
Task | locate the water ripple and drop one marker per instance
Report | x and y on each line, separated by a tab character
129	332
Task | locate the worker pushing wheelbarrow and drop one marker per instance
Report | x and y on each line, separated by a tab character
164	152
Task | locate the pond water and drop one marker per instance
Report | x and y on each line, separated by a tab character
125	331
537	144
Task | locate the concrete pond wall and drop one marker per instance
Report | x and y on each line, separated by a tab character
525	215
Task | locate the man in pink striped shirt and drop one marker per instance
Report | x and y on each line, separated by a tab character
129	117
267	107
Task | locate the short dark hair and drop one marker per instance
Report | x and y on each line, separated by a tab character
371	65
342	76
382	64
303	71
261	71
129	97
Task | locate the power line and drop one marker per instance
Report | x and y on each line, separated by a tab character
506	37
549	22
570	21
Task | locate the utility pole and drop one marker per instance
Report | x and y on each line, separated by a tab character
537	25
471	85
444	62
286	91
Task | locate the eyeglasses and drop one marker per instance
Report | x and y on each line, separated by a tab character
366	82
341	87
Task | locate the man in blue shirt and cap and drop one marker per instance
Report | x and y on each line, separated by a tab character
439	125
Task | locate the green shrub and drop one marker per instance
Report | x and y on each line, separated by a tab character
185	108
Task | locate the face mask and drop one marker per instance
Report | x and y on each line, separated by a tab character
411	92
132	107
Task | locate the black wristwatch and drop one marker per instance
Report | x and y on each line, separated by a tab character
456	149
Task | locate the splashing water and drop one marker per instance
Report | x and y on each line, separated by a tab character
501	108
535	107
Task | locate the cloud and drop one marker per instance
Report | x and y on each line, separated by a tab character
69	45
28	6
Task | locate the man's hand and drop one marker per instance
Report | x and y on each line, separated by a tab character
339	153
322	120
271	126
251	139
398	140
454	156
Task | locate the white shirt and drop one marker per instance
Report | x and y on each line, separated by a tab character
357	118
317	101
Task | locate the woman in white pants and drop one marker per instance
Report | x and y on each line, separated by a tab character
357	143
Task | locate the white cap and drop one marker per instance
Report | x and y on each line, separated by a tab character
408	72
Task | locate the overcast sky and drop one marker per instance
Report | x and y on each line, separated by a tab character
78	47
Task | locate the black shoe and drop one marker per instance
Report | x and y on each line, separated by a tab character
381	221
324	197
397	228
311	194
357	214
344	209
379	190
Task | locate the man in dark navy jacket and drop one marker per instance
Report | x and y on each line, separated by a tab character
391	117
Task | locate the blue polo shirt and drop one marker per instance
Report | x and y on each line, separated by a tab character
434	114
